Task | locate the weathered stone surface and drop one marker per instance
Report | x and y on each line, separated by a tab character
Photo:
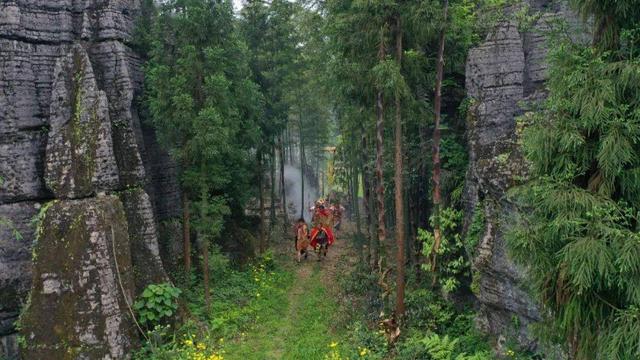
82	280
507	70
80	159
26	74
164	191
37	109
114	68
22	166
9	347
495	80
15	268
15	252
59	21
143	236
161	170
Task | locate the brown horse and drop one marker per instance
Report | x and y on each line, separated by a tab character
320	241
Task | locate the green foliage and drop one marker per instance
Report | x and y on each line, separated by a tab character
388	78
436	347
454	160
526	18
577	225
204	106
476	230
609	19
240	299
157	303
451	256
454	155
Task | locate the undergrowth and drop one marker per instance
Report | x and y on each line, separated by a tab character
240	298
433	328
266	311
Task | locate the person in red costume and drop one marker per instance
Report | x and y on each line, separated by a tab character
322	221
316	235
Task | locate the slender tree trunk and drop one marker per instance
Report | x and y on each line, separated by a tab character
399	192
205	272
186	232
290	143
380	150
412	249
263	228
368	208
302	162
355	204
437	201
283	188
272	211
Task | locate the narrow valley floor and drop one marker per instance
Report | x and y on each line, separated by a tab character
300	322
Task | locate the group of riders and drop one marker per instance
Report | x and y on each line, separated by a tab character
325	219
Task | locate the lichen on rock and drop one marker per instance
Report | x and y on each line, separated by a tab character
503	71
80	159
82	283
69	129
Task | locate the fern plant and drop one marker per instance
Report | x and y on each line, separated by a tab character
433	346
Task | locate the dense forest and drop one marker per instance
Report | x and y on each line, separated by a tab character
487	154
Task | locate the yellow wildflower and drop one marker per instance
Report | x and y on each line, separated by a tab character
333	344
188	342
201	346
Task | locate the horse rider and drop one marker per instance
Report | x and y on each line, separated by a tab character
322	222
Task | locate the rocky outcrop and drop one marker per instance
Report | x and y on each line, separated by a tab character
504	72
82	281
70	132
80	159
143	238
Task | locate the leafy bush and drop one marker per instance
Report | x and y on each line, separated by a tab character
452	263
157	302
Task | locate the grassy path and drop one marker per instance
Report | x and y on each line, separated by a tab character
298	321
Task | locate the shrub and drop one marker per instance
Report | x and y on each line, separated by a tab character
157	303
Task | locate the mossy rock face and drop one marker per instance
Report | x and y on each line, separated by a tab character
115	67
143	236
81	274
15	258
79	157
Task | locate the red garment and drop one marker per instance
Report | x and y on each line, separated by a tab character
316	230
321	215
323	212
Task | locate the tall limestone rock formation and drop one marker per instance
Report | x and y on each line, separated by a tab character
75	156
505	74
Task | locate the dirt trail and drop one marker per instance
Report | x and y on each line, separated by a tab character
305	327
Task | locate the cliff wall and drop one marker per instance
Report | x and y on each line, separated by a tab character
74	154
505	75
